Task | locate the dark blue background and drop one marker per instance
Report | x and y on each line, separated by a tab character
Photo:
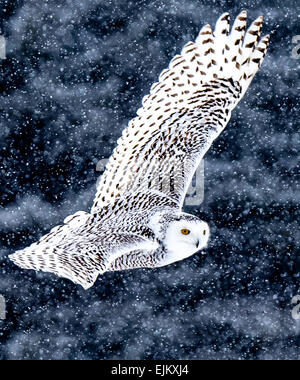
74	76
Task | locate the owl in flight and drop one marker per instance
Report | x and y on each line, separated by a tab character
136	220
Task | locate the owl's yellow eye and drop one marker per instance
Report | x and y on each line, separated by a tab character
185	231
204	232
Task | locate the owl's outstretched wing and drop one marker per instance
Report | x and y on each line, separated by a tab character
186	110
80	250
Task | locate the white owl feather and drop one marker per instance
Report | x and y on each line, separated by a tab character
137	219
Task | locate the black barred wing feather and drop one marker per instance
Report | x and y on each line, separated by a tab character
186	110
134	260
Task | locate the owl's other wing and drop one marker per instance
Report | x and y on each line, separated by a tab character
80	250
186	110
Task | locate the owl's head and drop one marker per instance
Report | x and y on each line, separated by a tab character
183	235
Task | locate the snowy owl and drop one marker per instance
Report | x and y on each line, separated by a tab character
136	220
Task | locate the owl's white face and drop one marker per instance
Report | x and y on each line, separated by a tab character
184	238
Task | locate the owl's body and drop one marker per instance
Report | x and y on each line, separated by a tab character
137	220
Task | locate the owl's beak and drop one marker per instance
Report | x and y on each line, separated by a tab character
198	243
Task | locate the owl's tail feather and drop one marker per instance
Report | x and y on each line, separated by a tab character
234	54
58	253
